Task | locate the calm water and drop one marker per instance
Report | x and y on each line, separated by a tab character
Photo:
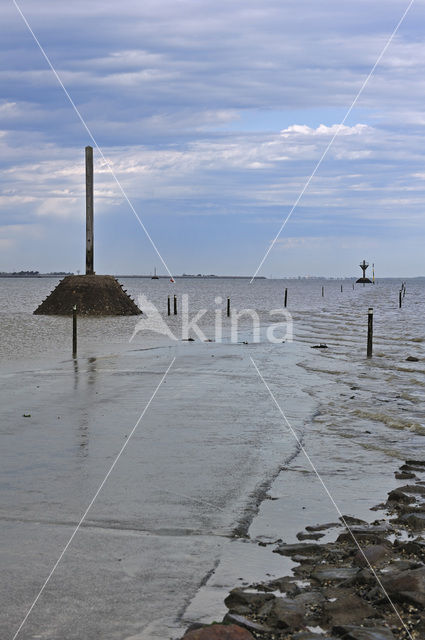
391	390
158	548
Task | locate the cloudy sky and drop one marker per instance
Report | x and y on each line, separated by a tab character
213	114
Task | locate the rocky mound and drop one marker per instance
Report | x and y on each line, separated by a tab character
93	295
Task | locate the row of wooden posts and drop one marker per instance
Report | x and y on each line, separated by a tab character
175	306
401	296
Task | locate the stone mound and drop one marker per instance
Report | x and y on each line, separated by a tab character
93	295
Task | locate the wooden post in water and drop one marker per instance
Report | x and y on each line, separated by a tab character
169	306
89	212
369	332
175	305
228	307
353	286
341	288
400	293
74	331
286	297
323	291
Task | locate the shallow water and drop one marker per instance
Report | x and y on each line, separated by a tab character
158	550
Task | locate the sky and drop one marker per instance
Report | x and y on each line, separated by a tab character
213	115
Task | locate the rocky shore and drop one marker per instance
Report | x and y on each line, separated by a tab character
352	580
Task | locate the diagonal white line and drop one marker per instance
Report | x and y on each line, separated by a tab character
330	496
92	501
83	122
341	124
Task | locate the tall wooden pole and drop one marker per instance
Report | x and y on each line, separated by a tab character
89	212
74	331
369	332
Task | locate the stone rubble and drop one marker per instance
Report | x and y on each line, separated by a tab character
340	591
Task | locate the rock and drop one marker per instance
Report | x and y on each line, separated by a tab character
363	578
415	489
311	603
371	533
402	565
195	626
322	527
412	359
416	521
348	608
334	574
219	632
310	635
375	554
265	610
241	602
404	475
286	614
246	623
352	521
310	598
406	586
303	571
416	463
301	548
349	632
412	467
286	585
413	547
309	536
397	495
320	346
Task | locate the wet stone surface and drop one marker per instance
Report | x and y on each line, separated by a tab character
338	588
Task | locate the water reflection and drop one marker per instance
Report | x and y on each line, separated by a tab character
76	370
84	401
92	371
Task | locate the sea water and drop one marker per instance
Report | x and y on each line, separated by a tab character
178	521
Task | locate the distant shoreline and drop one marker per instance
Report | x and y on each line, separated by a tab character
60	274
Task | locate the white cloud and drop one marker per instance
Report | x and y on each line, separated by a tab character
323	130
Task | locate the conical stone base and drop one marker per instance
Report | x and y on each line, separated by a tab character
93	295
364	280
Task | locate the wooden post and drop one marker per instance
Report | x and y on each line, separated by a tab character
323	291
89	212
353	286
286	297
369	332
228	307
74	331
169	306
400	293
341	288
175	305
